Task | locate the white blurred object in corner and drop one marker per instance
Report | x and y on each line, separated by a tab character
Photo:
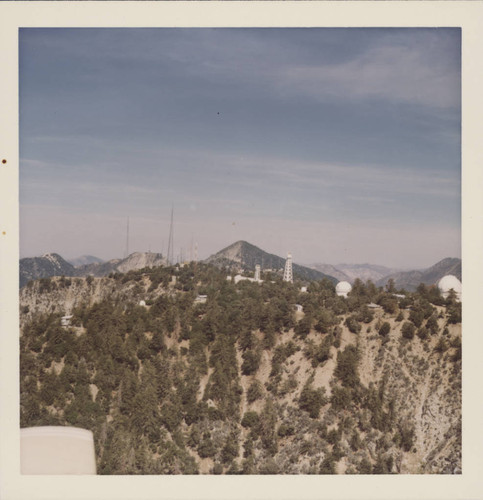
57	450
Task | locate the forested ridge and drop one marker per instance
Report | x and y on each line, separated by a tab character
242	383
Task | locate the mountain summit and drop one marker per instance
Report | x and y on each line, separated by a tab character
50	264
242	254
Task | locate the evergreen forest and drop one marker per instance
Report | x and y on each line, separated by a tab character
178	370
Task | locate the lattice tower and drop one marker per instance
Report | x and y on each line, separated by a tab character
287	272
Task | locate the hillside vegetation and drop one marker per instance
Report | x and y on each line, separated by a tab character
243	383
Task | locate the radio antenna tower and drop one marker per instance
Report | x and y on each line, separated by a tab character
170	240
287	272
127	239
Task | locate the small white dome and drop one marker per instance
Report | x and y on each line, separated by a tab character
343	288
448	282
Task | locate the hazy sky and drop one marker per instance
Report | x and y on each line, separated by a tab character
339	145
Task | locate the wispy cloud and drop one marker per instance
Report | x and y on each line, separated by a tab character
396	73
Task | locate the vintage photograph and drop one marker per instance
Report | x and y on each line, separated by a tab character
240	251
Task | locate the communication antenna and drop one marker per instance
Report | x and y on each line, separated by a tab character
127	239
170	240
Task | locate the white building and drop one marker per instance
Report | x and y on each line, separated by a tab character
257	272
65	320
343	288
450	282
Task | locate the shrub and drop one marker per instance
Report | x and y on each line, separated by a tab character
454	313
365	315
230	450
341	398
365	467
352	324
346	369
423	333
250	420
286	430
389	304
327	466
251	362
432	324
441	346
406	433
206	448
408	330
254	391
416	316
385	329
312	400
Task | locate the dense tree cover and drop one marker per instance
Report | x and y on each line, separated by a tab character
162	385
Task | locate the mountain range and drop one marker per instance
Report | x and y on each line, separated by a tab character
240	255
52	264
410	280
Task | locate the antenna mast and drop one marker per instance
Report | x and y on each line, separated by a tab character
127	238
170	240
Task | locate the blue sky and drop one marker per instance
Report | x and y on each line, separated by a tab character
338	145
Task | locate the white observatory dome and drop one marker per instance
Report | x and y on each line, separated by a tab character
448	282
343	288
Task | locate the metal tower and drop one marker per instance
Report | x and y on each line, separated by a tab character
170	240
127	239
287	272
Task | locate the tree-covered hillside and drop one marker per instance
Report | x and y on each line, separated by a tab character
240	382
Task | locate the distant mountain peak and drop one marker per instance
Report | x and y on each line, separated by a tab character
242	254
139	260
84	260
50	264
